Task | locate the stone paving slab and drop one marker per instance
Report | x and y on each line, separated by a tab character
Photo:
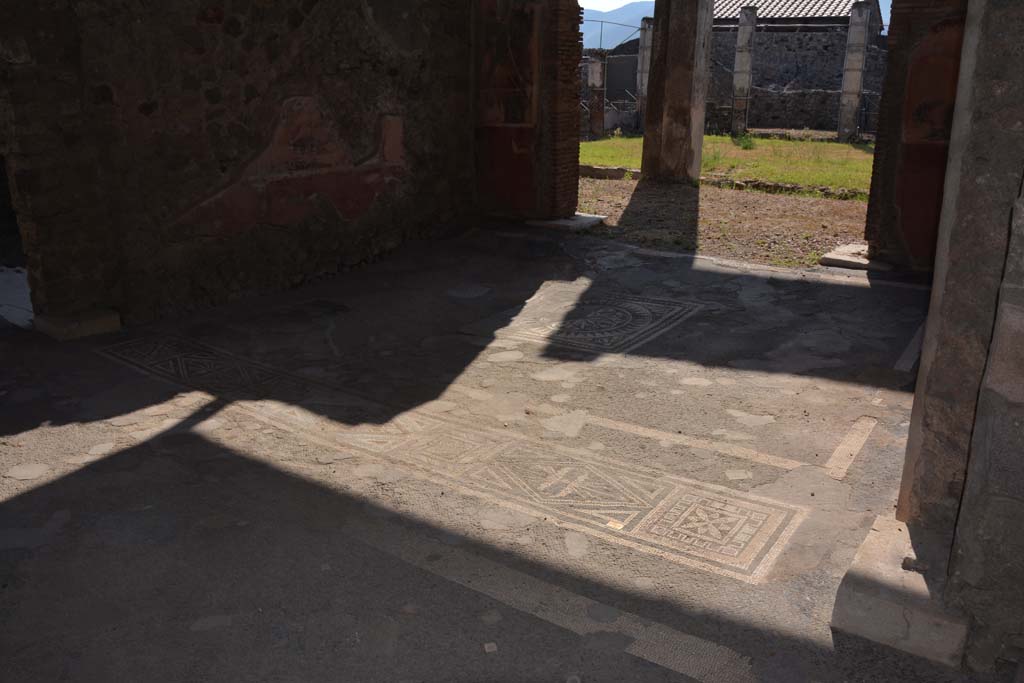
281	487
687	521
606	322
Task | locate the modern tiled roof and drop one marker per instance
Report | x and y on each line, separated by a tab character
785	9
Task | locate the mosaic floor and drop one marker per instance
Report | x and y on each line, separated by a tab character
683	520
603	322
603	463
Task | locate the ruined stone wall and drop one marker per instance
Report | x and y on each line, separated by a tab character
813	109
988	561
797	109
798	76
169	154
723	59
981	335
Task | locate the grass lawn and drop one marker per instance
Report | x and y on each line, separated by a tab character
803	162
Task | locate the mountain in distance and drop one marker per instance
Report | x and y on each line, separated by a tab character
630	15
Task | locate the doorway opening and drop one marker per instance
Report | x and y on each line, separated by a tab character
15	302
11	253
771	189
784	181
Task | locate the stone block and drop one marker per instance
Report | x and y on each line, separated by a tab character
881	601
608	172
581	221
78	325
854	257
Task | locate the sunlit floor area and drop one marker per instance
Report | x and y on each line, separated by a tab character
511	456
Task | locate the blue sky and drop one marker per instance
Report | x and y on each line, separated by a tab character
606	5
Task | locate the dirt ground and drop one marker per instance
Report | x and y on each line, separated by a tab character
780	230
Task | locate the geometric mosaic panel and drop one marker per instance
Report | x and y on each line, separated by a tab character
562	483
732	530
201	367
689	522
588	320
728	531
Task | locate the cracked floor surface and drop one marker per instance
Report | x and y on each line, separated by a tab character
514	455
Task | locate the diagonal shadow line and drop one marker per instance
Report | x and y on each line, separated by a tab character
783	349
530	258
170	359
249	541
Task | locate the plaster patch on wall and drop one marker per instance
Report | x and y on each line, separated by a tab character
306	164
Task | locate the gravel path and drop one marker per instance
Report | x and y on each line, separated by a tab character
780	230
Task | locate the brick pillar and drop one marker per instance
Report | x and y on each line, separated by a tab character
563	54
853	71
528	126
643	64
677	92
743	70
596	85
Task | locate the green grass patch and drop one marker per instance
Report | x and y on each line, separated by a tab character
744	142
613	151
800	162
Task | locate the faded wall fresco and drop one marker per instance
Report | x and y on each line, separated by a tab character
192	151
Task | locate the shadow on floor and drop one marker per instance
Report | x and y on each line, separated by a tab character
747	317
396	334
651	207
181	559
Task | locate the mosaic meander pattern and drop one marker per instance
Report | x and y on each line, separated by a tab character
570	317
686	521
